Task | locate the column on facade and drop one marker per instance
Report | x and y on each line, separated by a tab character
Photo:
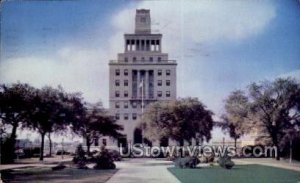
130	43
146	84
138	83
159	46
125	45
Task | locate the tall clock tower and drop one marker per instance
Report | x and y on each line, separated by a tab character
140	75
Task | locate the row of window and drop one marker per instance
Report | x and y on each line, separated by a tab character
159	94
134	59
126	105
159	82
126	116
159	72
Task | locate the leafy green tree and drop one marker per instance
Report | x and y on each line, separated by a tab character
274	108
50	111
234	121
14	100
96	122
183	119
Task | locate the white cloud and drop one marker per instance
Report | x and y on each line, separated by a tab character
74	68
183	23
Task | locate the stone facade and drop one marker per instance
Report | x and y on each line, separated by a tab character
141	74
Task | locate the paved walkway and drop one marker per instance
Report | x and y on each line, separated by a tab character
34	162
142	171
295	165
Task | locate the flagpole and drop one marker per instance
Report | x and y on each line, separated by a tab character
142	106
142	96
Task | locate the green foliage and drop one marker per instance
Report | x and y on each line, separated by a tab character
186	162
96	122
225	162
274	109
180	120
7	150
105	160
80	158
14	102
234	121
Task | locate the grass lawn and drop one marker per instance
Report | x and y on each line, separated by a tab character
238	174
60	176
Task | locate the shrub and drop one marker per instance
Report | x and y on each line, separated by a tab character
8	153
225	162
80	158
104	160
115	155
186	162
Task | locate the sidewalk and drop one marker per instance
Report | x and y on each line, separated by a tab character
143	170
295	165
34	162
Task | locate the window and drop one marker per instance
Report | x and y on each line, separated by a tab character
168	94
151	59
168	82
125	93
117	116
117	82
159	82
125	82
143	19
125	116
117	94
104	142
134	59
168	72
126	59
117	105
126	72
96	141
134	116
159	59
159	72
143	59
117	72
134	105
159	93
125	105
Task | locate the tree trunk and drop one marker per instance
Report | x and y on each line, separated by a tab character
14	131
50	144
235	139
12	145
42	147
275	142
88	145
278	153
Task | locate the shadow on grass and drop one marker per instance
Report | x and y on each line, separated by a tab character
48	175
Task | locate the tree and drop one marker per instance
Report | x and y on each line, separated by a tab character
13	110
95	122
234	121
183	119
50	110
274	108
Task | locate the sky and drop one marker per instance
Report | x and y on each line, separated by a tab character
219	45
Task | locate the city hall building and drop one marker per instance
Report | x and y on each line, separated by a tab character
142	74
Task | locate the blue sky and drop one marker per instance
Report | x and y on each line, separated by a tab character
219	45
